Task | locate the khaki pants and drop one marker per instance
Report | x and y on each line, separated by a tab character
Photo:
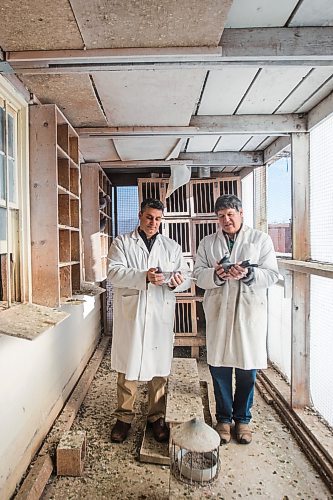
126	394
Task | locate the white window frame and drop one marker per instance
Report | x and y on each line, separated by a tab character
14	101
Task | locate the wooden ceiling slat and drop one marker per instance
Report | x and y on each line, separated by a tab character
153	23
73	94
38	25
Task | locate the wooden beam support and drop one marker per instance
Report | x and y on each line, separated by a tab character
321	112
280	145
226	158
208	125
315	268
259	47
300	363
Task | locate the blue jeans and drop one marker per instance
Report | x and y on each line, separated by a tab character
229	407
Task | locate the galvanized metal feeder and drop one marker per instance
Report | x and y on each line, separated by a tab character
195	452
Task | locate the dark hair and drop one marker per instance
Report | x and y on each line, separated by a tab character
227	201
152	203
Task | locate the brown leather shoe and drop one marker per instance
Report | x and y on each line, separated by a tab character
160	430
243	433
120	431
223	430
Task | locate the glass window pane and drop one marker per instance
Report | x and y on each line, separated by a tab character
2	178
12	180
11	136
2	129
279	204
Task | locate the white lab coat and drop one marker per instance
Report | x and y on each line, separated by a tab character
143	314
236	313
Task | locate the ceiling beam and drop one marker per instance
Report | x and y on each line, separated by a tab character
276	148
259	47
220	159
208	125
321	112
225	158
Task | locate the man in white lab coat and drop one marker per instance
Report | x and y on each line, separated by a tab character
143	316
235	306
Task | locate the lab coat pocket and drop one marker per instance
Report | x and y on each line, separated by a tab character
129	305
169	305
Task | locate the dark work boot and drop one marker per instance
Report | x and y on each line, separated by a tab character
120	431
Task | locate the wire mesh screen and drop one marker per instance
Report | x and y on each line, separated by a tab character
260	211
321	188
127	208
279	330
279	204
321	345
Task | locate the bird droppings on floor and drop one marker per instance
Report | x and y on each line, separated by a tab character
271	467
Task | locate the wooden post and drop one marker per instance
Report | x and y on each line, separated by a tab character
300	365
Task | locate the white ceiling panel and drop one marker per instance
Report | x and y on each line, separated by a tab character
202	143
259	13
224	89
145	148
96	149
270	89
254	142
232	142
309	85
147	98
314	13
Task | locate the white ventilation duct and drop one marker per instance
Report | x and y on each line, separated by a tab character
203	172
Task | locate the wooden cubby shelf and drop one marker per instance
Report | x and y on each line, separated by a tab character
55	206
97	222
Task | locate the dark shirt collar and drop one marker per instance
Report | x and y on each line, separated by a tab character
148	242
231	241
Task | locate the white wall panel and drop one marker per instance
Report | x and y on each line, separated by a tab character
255	13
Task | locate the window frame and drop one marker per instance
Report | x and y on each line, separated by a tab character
15	104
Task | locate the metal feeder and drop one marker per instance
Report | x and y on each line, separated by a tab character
195	452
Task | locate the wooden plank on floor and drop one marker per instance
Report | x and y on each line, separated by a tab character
184	397
153	452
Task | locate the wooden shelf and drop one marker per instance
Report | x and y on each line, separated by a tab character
96	221
55	206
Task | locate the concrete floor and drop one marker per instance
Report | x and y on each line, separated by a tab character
271	467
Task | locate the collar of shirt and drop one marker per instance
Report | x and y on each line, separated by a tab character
231	241
148	242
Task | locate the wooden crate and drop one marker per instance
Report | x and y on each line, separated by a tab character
180	231
228	185
185	318
203	194
176	205
200	229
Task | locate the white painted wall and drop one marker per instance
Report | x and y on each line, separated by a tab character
36	378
